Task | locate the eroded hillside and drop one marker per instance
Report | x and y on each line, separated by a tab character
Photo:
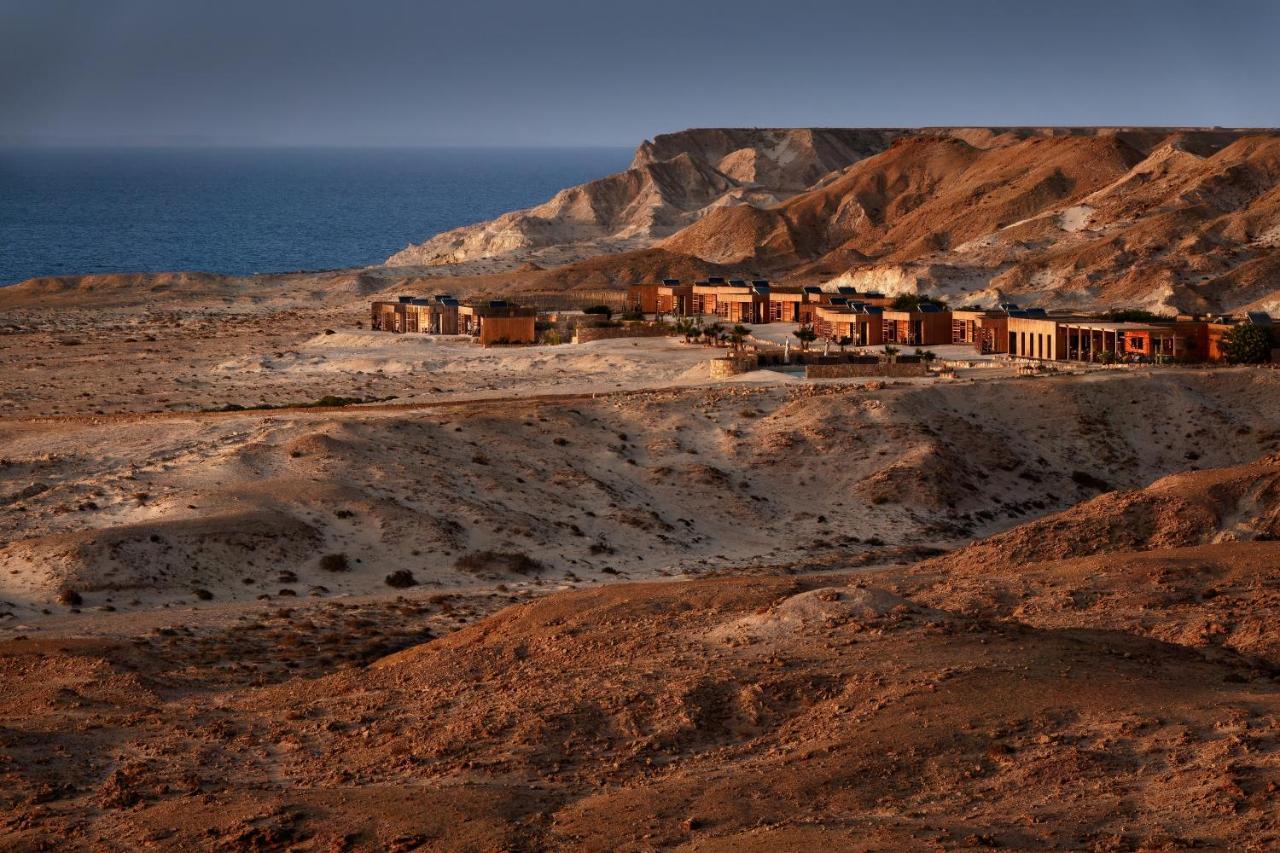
1125	702
1162	218
131	511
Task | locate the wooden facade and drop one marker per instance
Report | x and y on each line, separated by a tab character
862	324
928	326
437	315
1045	338
742	301
498	321
674	298
986	331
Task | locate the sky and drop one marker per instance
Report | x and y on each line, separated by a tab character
579	73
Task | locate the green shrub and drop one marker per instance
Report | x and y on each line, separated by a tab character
1247	344
912	301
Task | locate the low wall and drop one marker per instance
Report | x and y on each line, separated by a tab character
848	371
585	334
722	368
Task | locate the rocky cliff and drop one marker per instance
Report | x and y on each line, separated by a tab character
1164	218
673	181
1168	220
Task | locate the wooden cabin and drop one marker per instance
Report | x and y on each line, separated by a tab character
497	321
643	298
437	315
987	331
928	325
674	298
862	324
785	304
741	302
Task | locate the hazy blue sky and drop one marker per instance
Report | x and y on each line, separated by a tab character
555	72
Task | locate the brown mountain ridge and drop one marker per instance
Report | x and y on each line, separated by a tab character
1164	218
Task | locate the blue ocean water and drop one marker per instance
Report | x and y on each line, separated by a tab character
70	211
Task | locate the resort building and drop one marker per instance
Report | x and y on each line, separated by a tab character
741	301
672	297
437	315
1037	335
498	322
986	331
926	325
862	324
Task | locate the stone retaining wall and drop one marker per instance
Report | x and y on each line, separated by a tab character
584	334
848	371
722	368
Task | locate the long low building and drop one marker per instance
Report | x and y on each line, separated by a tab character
741	301
860	324
926	325
437	315
496	321
1048	337
987	331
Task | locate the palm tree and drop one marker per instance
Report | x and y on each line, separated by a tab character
890	352
737	335
805	335
712	332
843	342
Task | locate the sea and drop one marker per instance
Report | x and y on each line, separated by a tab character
67	211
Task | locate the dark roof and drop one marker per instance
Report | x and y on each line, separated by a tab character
760	282
738	282
1028	312
406	299
448	300
1259	318
497	303
812	288
1008	306
671	282
444	297
874	294
846	290
715	279
839	300
760	288
928	308
421	300
864	308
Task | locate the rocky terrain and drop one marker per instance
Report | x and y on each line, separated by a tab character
270	580
673	180
1160	218
1166	219
1127	700
584	596
616	459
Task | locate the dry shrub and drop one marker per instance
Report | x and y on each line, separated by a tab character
513	562
335	563
400	579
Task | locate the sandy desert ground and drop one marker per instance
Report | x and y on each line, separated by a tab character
633	608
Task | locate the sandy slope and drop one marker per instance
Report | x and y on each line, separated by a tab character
790	673
133	512
762	713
